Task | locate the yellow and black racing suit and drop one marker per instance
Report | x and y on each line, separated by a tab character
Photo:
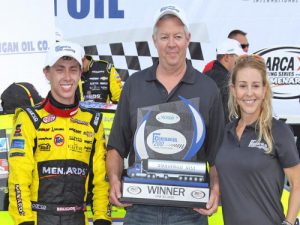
101	82
56	153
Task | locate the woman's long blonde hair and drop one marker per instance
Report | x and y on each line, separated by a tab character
264	122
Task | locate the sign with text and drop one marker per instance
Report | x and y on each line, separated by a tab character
166	170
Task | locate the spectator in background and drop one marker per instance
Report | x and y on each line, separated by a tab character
100	81
227	54
257	153
172	76
237	35
241	37
19	94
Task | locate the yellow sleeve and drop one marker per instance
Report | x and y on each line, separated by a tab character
21	165
115	85
101	205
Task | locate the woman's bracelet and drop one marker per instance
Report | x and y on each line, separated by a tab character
286	223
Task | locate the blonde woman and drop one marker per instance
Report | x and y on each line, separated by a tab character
257	153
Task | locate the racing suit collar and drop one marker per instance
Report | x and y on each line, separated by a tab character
54	107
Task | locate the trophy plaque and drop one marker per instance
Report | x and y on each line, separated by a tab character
166	171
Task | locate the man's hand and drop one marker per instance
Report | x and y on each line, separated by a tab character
114	168
115	193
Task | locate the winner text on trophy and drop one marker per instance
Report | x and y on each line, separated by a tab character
167	144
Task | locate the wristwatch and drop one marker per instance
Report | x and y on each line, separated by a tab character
285	223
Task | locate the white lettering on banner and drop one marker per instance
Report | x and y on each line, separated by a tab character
285	80
21	47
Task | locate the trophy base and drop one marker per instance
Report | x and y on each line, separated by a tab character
165	193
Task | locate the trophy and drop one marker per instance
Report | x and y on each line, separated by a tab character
166	171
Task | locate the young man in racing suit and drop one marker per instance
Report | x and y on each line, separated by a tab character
57	151
100	81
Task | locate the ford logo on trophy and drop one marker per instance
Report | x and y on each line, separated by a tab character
166	170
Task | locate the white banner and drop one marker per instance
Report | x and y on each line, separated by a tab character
27	29
120	31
